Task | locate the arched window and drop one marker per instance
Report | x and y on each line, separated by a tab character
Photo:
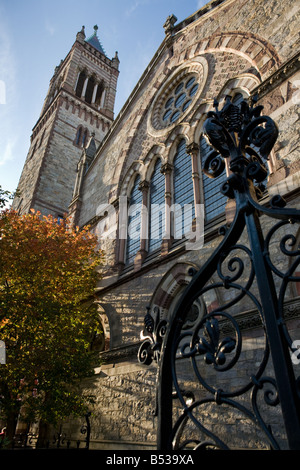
157	208
134	222
80	83
84	138
183	192
78	136
100	90
214	201
89	90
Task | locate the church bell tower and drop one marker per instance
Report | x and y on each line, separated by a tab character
79	104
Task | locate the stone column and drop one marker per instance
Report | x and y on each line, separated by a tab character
144	232
102	98
198	221
84	87
167	170
193	151
95	93
78	74
122	231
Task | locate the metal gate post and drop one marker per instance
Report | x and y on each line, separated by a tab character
285	377
240	134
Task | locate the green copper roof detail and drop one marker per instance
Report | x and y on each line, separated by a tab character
93	40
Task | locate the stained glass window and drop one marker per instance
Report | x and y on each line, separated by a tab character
183	192
134	222
214	201
179	99
157	208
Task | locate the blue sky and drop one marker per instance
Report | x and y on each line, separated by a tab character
36	34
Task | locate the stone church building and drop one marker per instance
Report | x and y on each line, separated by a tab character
100	169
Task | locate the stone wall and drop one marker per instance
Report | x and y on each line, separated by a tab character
122	415
57	179
33	164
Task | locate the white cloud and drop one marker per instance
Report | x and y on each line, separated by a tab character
136	4
7	65
8	152
8	106
8	71
49	28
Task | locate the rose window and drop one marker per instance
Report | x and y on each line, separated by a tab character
177	96
178	101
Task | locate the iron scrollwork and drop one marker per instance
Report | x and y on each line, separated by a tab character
153	334
86	429
59	438
249	269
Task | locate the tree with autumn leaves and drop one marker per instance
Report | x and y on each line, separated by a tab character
6	197
48	275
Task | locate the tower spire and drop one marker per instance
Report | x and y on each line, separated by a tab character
93	40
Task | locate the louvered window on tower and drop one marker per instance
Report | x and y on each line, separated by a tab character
134	222
184	207
100	90
89	90
80	83
214	201
157	208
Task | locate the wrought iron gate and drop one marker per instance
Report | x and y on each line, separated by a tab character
195	414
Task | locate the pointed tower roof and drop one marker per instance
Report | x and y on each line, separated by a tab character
93	40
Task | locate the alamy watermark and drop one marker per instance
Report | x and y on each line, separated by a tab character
295	356
159	221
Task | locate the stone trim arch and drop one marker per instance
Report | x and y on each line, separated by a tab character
199	118
149	161
104	322
151	165
172	282
255	49
178	134
128	180
245	82
171	286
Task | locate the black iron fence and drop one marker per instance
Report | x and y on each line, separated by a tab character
254	267
58	439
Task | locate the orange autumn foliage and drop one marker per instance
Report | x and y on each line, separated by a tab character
48	275
39	250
